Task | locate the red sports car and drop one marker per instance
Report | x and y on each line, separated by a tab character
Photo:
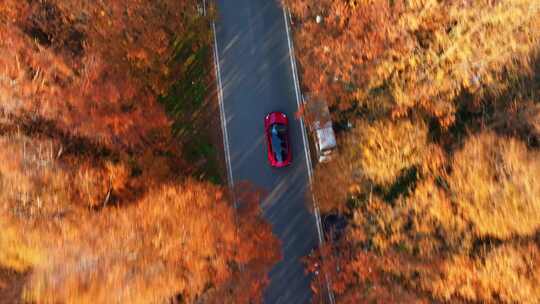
276	129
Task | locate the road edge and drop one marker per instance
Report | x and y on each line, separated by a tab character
316	211
230	180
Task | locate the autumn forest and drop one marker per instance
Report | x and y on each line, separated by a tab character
99	199
111	180
440	176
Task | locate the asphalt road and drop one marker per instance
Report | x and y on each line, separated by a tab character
256	78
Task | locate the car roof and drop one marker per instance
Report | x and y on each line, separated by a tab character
280	151
326	137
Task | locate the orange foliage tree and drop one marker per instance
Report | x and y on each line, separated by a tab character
437	179
95	68
95	204
463	230
175	240
401	54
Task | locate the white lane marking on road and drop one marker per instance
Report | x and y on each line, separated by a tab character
223	116
302	126
306	144
297	92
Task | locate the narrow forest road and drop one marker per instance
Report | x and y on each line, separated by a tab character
255	77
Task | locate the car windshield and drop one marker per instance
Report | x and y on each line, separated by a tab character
278	138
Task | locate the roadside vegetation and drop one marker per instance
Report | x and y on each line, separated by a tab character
107	177
439	176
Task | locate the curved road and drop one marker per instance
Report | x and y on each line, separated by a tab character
255	77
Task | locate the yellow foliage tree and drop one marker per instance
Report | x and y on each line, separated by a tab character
176	240
59	223
469	233
420	53
495	188
383	149
506	274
